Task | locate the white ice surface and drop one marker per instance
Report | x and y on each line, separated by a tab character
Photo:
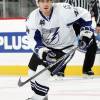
69	89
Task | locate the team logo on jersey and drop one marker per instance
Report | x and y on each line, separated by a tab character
50	36
42	22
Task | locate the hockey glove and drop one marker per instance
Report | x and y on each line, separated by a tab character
47	55
50	58
42	52
85	39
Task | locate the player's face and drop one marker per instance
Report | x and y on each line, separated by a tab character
45	6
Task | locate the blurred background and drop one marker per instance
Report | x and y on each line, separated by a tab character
17	8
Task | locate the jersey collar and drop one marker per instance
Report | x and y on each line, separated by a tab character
45	16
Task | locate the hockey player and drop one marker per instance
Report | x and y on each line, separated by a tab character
51	34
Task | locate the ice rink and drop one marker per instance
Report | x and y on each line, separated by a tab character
68	89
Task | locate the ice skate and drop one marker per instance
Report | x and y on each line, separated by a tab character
88	74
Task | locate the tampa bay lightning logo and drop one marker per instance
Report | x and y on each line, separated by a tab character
50	36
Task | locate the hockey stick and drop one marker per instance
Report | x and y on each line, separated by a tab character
20	83
63	62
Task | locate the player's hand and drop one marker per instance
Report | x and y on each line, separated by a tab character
47	55
85	38
43	52
50	57
81	44
84	43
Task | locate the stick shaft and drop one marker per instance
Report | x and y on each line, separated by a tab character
46	68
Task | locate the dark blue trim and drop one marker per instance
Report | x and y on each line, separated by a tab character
82	22
51	13
39	89
44	16
87	28
44	87
38	40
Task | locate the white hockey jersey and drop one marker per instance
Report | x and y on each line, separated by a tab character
55	31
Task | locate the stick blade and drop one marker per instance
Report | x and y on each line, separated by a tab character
20	83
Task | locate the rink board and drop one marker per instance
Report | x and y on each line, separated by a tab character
15	53
23	70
